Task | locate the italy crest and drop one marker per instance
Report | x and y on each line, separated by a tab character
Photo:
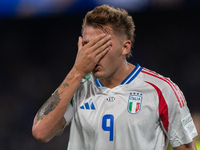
134	103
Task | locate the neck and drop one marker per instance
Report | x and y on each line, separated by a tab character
118	76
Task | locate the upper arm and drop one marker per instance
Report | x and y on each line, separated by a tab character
180	125
189	146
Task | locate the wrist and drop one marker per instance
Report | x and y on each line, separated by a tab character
77	74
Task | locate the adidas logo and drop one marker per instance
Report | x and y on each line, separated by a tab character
89	105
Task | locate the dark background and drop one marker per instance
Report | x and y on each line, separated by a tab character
38	52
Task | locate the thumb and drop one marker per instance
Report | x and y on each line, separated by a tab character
80	39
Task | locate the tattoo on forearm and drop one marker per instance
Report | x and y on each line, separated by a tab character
49	106
65	82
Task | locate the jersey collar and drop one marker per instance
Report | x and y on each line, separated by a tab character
128	79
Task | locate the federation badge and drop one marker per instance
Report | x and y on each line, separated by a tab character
110	99
134	103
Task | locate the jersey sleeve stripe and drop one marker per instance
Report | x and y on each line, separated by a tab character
162	107
176	90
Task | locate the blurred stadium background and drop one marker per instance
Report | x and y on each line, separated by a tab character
38	44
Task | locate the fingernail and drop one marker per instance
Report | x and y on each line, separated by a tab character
109	47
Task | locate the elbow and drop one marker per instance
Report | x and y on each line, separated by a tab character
40	135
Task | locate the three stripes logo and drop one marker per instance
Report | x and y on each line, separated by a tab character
88	105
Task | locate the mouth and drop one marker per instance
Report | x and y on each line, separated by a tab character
96	65
96	68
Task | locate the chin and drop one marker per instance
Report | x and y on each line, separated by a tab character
98	75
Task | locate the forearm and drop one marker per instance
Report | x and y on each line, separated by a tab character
49	118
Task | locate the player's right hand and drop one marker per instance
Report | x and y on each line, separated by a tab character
89	54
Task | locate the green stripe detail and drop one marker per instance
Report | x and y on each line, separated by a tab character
86	78
130	106
71	102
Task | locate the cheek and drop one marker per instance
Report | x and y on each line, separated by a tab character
112	56
115	51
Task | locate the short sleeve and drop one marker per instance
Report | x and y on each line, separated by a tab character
181	128
69	114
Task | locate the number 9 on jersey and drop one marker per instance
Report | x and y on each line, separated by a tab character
108	124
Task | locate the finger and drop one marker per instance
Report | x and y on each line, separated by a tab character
103	53
96	40
101	42
80	44
102	47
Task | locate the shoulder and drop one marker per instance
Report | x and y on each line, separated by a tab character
157	80
84	89
162	85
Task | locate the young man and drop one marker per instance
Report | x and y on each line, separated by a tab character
112	104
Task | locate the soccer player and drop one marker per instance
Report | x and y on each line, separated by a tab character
112	104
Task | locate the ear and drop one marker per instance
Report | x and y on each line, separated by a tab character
126	47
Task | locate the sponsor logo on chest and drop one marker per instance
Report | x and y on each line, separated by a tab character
134	103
